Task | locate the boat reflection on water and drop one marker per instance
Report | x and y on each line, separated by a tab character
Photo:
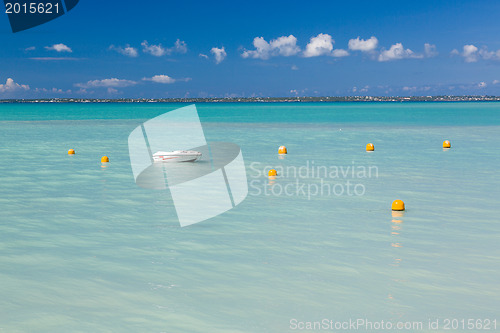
397	261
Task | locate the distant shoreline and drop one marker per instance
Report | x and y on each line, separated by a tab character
263	99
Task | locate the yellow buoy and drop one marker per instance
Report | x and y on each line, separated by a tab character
104	159
446	144
272	173
370	147
398	205
282	150
71	152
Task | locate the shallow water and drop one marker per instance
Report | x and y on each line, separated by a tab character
83	249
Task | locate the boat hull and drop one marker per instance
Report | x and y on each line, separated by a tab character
176	157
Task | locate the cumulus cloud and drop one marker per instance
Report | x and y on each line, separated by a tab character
201	55
262	49
340	53
495	82
82	91
179	47
322	44
396	52
363	45
485	54
285	46
156	50
31	48
482	85
159	50
165	79
59	48
430	50
127	50
53	91
11	86
113	82
470	53
160	79
219	54
410	89
360	90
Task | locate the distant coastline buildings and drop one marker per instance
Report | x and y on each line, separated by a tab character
444	98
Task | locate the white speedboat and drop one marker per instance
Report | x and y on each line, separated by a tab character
176	156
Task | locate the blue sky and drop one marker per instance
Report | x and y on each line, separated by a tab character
153	49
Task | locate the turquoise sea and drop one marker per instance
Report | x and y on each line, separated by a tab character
84	249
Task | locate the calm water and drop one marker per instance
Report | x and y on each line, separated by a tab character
83	249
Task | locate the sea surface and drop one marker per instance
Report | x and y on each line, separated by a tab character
84	249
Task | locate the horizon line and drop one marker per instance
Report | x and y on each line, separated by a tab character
428	98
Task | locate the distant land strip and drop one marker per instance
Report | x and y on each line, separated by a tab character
264	99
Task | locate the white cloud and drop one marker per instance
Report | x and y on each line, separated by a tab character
156	50
482	85
53	90
339	53
284	45
81	91
127	50
201	55
262	49
219	54
159	50
470	53
31	48
322	44
59	48
454	52
430	50
410	89
294	68
362	90
495	82
414	89
11	86
165	79
161	79
179	47
113	82
363	45
112	91
396	52
54	58
487	55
